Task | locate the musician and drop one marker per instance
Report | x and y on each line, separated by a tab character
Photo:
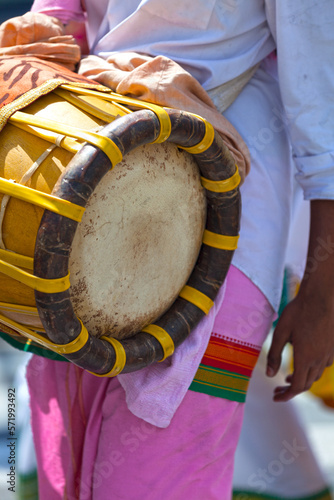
145	435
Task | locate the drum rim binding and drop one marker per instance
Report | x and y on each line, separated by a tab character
106	356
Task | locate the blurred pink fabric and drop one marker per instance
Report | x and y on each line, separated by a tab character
65	10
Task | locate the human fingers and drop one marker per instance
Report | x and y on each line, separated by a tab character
298	382
280	339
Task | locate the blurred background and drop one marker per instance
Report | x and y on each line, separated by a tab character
12	8
315	417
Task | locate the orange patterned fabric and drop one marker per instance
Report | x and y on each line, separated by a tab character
24	79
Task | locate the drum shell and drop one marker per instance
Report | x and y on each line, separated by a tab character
18	150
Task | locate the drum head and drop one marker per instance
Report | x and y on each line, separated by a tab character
138	241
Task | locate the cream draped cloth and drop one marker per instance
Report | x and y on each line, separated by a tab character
162	81
154	79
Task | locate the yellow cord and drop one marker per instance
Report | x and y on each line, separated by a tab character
43	200
222	186
161	113
221	241
120	358
163	337
205	143
103	143
197	298
69	348
17	259
42	285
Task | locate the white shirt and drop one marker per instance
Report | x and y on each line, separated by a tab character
209	38
216	40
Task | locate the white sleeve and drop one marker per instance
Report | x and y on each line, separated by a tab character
304	34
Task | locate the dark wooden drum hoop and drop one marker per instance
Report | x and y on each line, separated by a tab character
56	233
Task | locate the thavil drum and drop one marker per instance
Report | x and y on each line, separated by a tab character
118	223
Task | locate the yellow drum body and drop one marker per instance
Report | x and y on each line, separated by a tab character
19	149
139	237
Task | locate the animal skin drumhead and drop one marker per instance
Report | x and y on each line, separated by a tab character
138	241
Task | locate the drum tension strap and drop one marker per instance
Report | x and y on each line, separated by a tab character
17	259
9	263
160	112
73	346
222	186
196	298
162	337
162	115
104	143
120	358
205	143
43	200
221	241
40	284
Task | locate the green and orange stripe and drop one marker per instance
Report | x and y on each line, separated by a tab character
226	369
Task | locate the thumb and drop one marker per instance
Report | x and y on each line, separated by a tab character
280	338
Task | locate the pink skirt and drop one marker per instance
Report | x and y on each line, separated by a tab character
89	446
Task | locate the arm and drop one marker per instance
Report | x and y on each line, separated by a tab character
308	321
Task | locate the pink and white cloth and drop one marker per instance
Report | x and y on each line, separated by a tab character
90	445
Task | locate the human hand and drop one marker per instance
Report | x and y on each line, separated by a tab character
308	321
308	324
